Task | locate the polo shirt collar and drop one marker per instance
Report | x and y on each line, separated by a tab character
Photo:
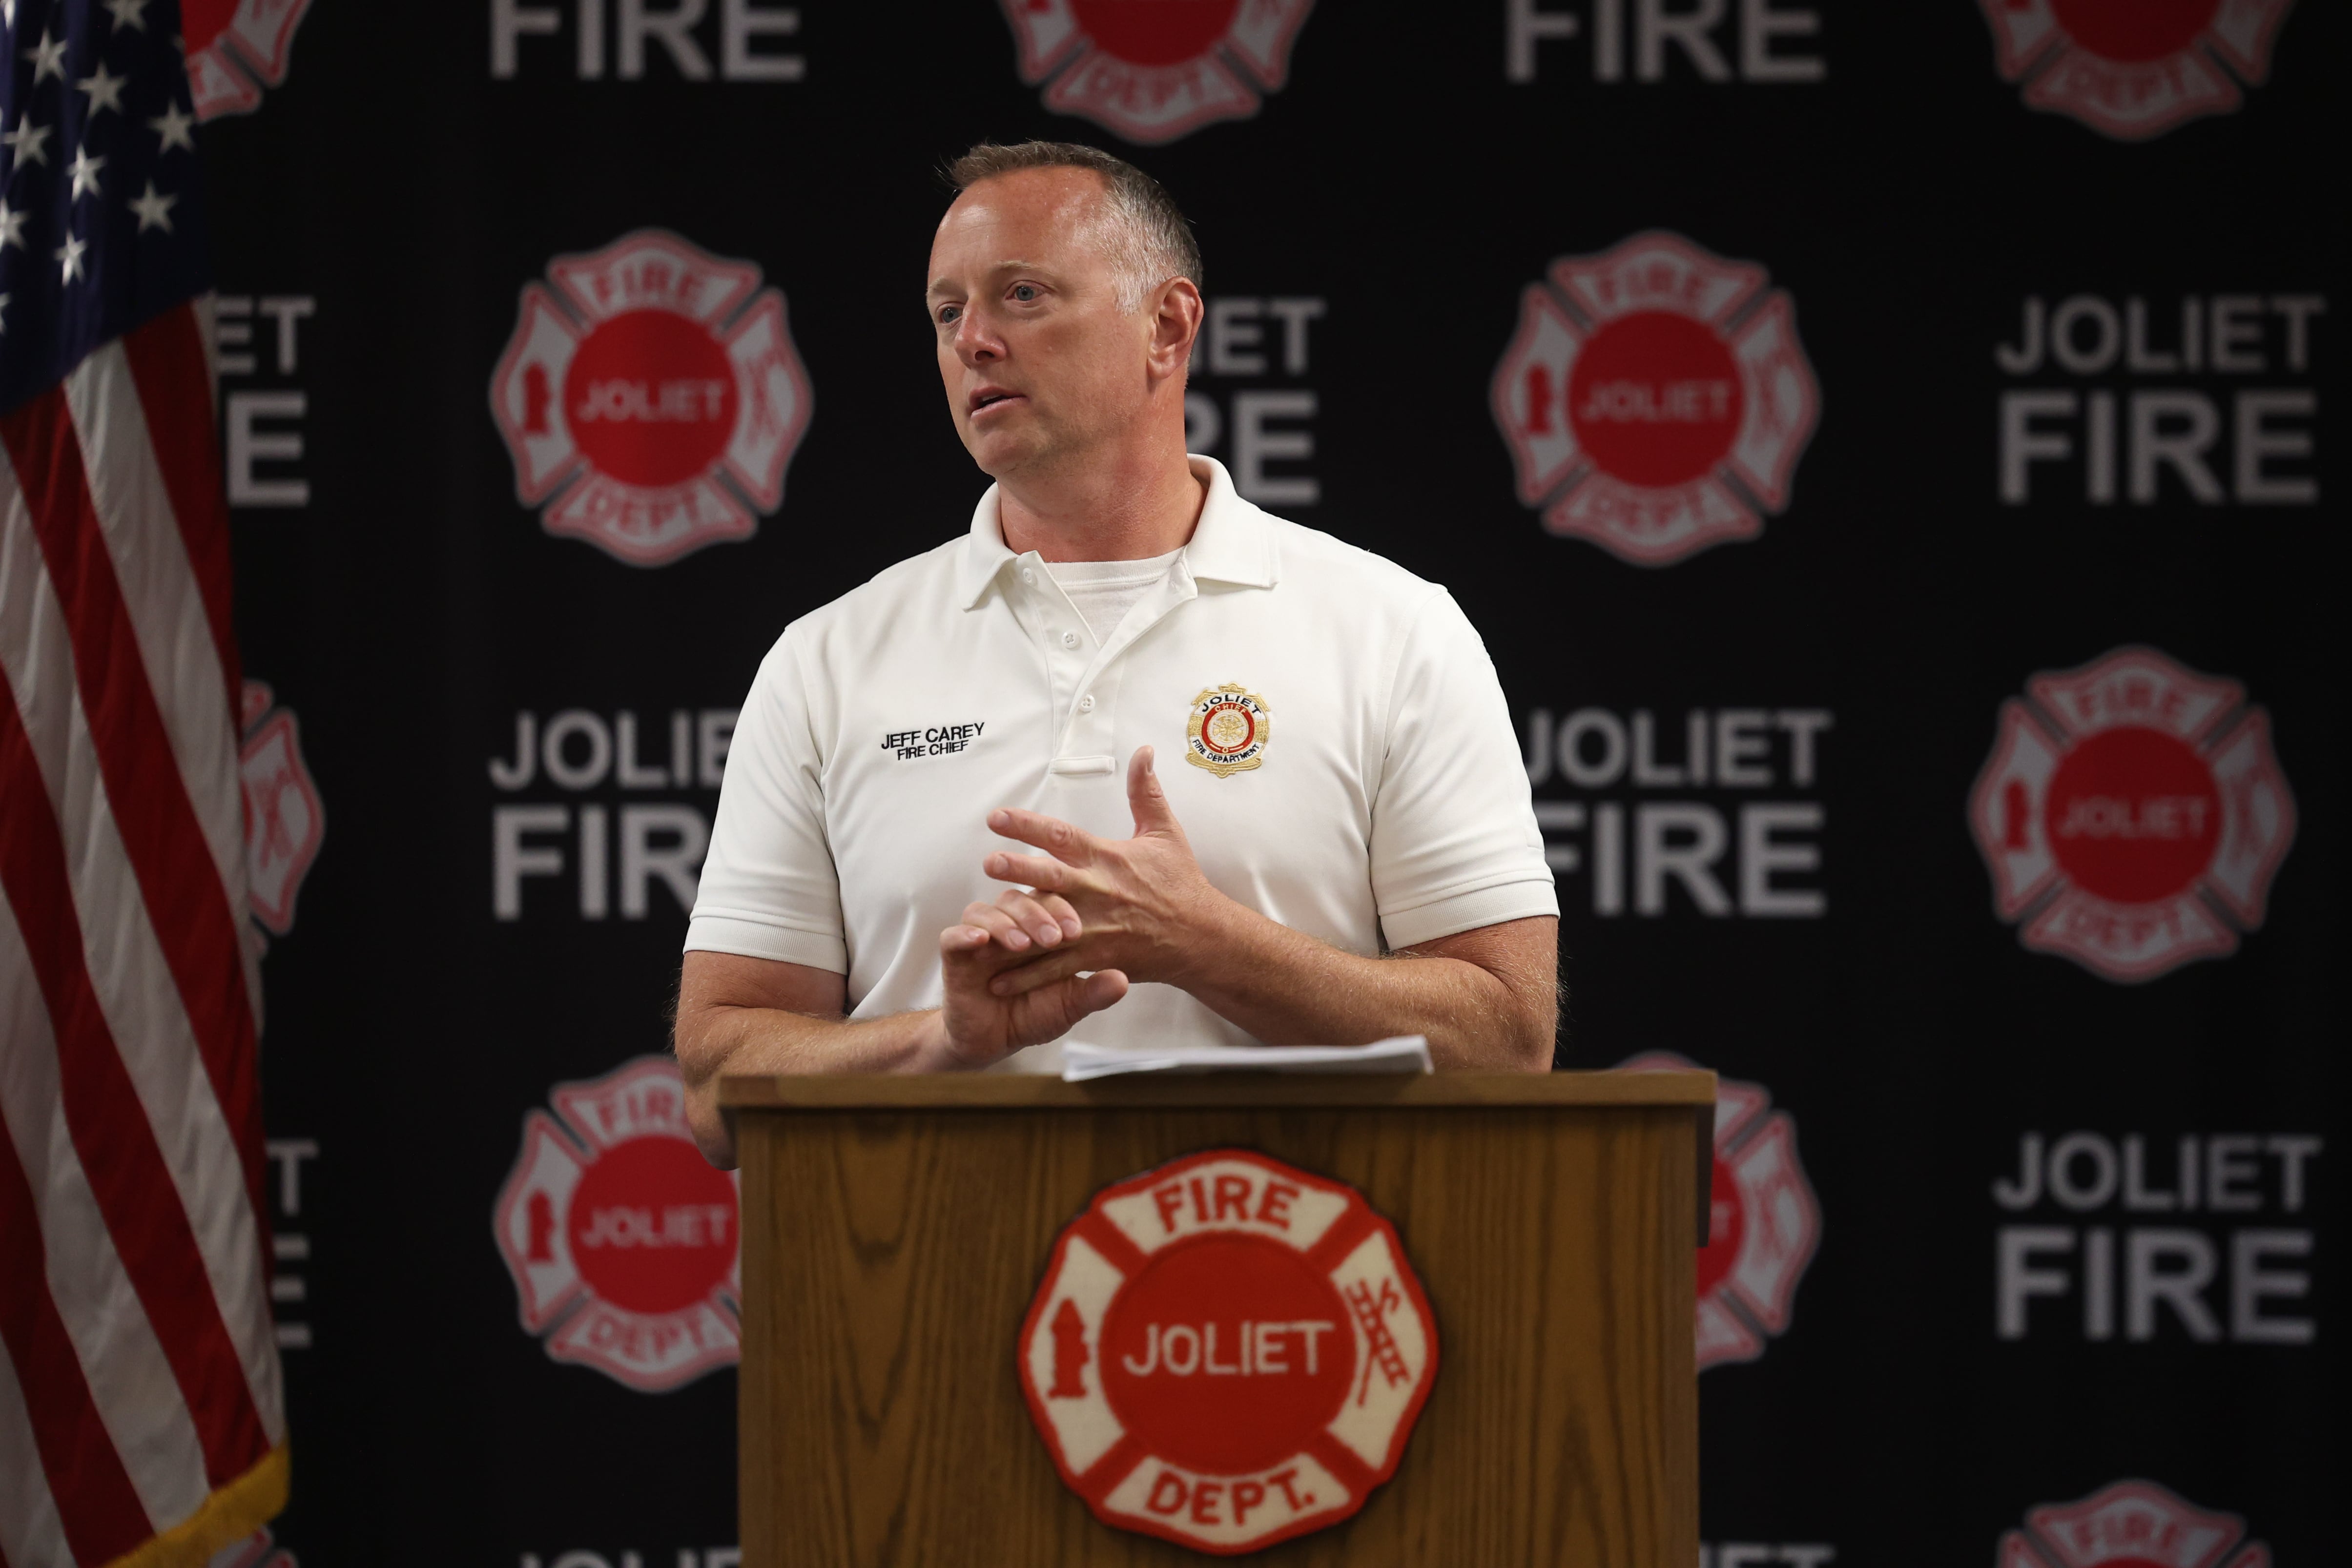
1233	543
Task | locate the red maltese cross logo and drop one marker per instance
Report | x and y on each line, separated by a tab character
234	48
652	398
2134	69
1153	70
1763	1221
2132	815
620	1237
2131	1524
1227	1351
1655	399
285	822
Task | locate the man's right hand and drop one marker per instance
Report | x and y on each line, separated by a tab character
980	1028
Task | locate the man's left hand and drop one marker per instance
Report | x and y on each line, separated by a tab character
1143	904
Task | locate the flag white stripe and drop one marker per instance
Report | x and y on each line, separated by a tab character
160	590
130	1380
31	1533
38	651
126	966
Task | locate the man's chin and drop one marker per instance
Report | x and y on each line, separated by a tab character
1002	454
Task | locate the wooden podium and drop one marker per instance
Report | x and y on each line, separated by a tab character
896	1228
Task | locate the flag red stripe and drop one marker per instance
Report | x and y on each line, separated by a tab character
117	1147
97	1504
167	365
186	901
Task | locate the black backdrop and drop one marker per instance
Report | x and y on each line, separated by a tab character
406	181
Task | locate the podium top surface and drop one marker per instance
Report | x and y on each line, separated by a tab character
1037	1091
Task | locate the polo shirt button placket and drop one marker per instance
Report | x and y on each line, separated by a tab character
1067	657
1038	607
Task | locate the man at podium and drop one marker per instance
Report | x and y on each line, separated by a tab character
1129	762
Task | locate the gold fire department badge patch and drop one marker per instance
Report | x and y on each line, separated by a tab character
1227	730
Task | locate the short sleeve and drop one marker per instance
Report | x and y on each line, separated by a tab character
769	885
1454	844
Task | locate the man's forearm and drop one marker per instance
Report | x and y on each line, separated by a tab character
720	1039
772	1040
1287	988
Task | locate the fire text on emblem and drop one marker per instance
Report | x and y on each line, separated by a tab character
284	820
1655	398
2134	69
2131	1524
1156	71
1227	1351
2132	814
652	398
1763	1223
620	1237
234	48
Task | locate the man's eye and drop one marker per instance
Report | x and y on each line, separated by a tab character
948	314
1024	291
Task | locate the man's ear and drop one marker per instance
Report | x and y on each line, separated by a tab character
1176	313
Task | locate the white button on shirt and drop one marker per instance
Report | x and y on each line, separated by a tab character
1380	799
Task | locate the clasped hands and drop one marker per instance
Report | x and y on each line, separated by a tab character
1084	920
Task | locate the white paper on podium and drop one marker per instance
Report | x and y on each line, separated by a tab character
1405	1053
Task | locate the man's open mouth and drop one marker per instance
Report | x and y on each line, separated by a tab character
988	397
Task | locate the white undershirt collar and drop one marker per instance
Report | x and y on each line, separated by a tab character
1102	592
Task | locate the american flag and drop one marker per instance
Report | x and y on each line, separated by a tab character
141	1415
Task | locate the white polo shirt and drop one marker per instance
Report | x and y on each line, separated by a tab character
1328	727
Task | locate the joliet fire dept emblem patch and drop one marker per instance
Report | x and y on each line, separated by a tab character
653	398
1158	71
1655	398
1227	730
1763	1223
234	48
620	1237
2134	69
284	821
2131	1524
2133	815
1227	1351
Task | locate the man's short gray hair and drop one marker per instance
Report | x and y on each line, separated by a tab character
1152	242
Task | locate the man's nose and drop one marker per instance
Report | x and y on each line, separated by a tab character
973	344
